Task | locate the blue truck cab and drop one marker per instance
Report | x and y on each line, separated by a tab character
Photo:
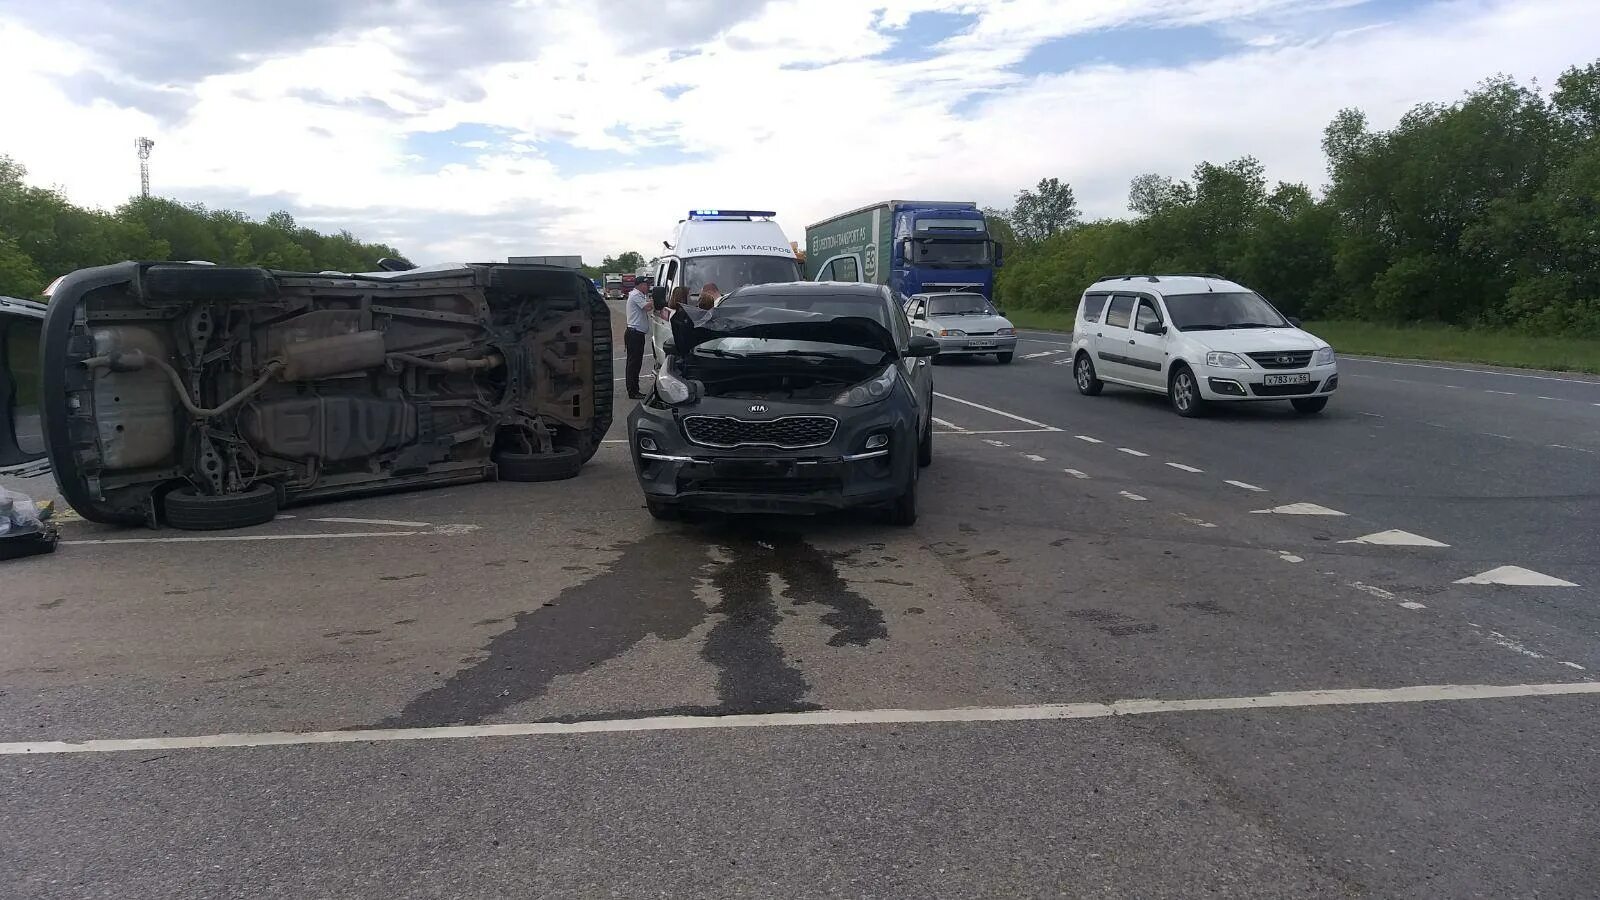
914	246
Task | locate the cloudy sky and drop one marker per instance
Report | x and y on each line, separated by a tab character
471	129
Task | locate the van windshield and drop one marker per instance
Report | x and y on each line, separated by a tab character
730	273
1222	310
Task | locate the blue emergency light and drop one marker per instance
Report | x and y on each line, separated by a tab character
730	214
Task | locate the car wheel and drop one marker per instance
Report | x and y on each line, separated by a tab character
660	511
1184	393
903	512
564	462
1309	406
1004	357
1083	373
925	445
204	512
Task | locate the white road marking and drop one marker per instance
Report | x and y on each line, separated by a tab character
1183	468
1390	362
1559	399
1502	393
1300	509
1411	604
1395	538
615	441
1288	557
1498	435
1248	487
1378	592
1132	496
1003	431
1088	440
1131	452
390	522
1572	665
997	443
1064	361
1043	353
1515	575
1033	456
1193	521
1425	693
998	412
216	538
1371	415
1453	387
1514	645
282	516
951	425
1075	473
1038	341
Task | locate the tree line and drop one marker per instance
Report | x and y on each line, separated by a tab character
1480	213
43	236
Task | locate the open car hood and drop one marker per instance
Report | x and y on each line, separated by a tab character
783	324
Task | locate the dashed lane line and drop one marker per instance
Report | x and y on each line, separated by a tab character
998	412
1043	353
1246	486
997	443
1183	468
1131	452
1088	440
1132	496
1426	693
1033	456
1390	362
1299	509
1075	473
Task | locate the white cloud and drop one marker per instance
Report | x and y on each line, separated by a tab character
796	107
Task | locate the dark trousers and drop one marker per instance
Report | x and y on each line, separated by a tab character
634	341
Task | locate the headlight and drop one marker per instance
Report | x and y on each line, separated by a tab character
1006	332
952	332
671	389
1226	360
1324	357
870	391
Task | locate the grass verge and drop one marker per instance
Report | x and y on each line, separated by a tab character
1435	342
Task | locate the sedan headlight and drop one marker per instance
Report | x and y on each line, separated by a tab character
869	391
1219	360
671	389
1324	357
952	332
1006	332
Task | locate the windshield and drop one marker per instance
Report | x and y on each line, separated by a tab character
950	254
1215	311
755	347
959	305
730	273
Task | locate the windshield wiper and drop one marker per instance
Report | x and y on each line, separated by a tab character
814	354
1250	325
718	351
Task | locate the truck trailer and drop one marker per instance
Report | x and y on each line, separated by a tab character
914	246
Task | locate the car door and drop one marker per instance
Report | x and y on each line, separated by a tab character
1146	354
919	316
21	426
918	373
1112	336
844	267
660	332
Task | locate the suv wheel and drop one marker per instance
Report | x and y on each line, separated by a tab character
1083	373
1184	392
207	512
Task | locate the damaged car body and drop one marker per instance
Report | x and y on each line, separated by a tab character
207	397
791	399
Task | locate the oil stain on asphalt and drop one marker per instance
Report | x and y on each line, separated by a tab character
650	590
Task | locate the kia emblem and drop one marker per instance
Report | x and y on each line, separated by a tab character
758	408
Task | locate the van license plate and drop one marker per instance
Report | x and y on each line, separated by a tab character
1271	380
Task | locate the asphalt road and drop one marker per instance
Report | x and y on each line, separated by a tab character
929	712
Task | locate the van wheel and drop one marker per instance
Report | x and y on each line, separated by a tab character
1309	406
1004	357
1184	392
1083	373
206	512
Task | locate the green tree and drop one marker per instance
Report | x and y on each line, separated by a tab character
625	263
1044	211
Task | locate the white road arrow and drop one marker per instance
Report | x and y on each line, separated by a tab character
1300	509
1396	538
1516	575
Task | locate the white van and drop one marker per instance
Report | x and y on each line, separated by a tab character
726	247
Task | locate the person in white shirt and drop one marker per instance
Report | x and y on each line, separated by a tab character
639	310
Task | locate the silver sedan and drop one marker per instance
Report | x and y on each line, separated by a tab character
964	324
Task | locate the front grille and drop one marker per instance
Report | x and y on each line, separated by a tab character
781	486
980	334
786	433
1283	390
1286	359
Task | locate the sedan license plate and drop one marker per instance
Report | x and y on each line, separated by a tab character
1271	380
979	344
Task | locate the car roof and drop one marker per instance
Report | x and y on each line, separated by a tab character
1165	285
863	290
928	295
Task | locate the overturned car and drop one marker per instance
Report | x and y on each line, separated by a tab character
789	398
207	397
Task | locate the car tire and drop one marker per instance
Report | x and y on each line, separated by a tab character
925	444
660	511
1309	406
1004	357
1083	373
903	511
1183	392
563	463
204	512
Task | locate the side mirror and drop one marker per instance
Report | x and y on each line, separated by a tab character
922	345
1293	321
999	254
1154	328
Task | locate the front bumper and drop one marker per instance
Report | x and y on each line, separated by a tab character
973	346
1224	385
843	474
